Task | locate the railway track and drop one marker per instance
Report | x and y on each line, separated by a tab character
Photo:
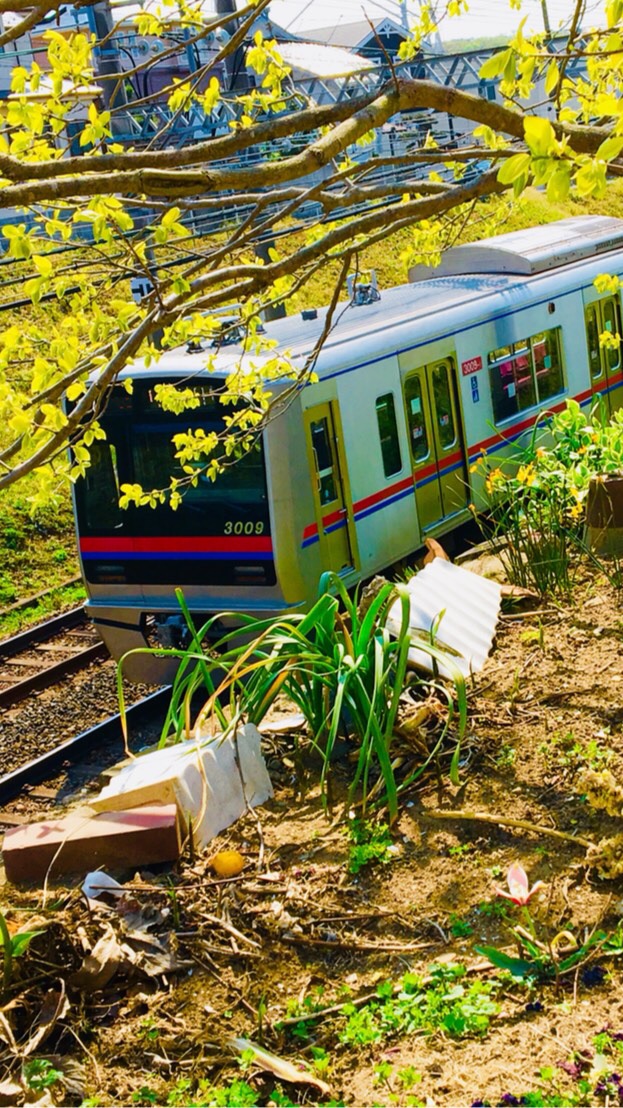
45	653
103	738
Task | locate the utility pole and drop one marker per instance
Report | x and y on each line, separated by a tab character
108	63
404	16
234	64
546	23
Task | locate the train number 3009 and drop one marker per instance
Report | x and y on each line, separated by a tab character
240	528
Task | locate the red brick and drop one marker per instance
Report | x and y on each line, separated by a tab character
118	840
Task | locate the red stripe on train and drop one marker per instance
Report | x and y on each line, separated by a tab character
210	544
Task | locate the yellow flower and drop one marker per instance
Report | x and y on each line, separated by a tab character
495	478
525	475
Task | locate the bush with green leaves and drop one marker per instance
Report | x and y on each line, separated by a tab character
537	495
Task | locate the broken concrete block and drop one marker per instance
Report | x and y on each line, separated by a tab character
120	840
211	780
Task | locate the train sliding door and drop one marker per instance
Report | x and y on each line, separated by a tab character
437	456
328	466
604	316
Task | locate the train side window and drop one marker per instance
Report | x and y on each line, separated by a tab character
592	334
547	364
612	324
443	406
418	436
508	378
388	433
323	457
525	374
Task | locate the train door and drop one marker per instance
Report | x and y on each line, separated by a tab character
328	466
437	455
604	316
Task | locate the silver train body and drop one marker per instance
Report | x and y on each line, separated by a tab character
366	462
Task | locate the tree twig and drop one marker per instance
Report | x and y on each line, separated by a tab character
501	821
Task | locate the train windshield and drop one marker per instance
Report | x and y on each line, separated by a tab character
225	522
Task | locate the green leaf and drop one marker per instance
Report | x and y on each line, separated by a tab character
496	65
610	148
514	168
539	134
552	76
517	966
559	183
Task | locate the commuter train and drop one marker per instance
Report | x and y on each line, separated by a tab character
414	384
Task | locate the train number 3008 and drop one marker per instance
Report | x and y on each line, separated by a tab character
240	528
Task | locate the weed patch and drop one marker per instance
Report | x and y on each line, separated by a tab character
370	842
443	1002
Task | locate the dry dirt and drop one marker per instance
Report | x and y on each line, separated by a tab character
296	928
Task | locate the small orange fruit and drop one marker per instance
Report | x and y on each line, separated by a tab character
227	863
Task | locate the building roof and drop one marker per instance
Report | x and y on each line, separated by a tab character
353	35
321	60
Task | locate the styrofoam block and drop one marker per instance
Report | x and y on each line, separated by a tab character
211	780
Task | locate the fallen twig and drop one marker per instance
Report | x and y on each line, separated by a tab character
346	944
500	821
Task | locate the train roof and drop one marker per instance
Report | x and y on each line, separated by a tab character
531	250
494	278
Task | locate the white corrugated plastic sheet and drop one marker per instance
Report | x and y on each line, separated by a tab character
470	606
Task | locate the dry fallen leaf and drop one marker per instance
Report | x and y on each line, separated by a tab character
280	1067
100	965
54	1007
434	550
11	1094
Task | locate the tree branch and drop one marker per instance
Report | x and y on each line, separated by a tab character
352	120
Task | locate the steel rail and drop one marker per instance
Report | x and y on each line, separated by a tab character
41	631
74	749
53	673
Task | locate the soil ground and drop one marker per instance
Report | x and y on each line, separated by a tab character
297	932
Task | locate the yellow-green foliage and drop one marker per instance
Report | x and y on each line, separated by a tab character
531	209
32	566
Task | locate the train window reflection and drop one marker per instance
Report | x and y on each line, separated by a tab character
418	435
100	486
524	374
323	459
592	334
613	327
443	406
143	453
388	433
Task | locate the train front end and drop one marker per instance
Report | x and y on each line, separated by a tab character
217	546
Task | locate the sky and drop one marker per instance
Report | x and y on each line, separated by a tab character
486	17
